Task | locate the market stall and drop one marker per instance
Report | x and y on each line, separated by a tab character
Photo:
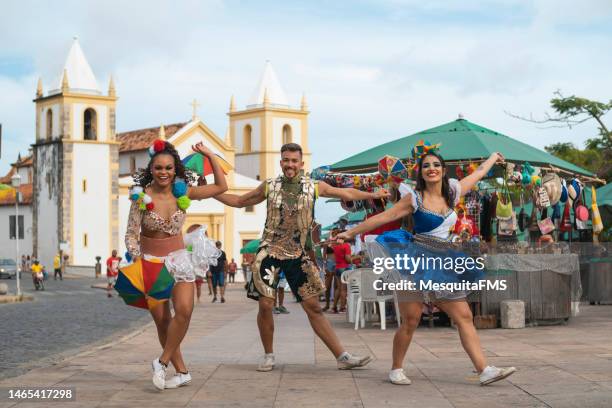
532	202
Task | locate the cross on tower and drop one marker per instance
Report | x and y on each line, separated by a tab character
194	105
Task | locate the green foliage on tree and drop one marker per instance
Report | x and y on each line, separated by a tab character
571	111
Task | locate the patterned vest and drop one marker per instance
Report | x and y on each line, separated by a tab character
288	225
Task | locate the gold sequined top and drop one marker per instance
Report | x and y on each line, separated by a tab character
149	221
290	206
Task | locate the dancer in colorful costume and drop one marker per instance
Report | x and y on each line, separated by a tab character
287	245
160	199
431	205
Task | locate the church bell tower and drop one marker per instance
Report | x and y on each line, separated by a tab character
267	122
76	166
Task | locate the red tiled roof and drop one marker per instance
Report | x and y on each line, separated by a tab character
7	179
26	196
143	138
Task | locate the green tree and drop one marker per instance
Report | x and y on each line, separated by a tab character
569	112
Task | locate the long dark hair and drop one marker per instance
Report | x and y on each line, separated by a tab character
144	177
446	191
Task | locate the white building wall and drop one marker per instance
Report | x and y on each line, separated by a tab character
47	187
277	131
78	110
7	246
247	222
239	126
91	209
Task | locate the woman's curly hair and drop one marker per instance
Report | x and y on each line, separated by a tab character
144	177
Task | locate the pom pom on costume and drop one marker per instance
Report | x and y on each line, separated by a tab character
183	202
150	206
128	257
134	197
179	188
143	206
147	199
137	189
159	145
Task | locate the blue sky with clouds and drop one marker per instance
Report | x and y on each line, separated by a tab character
372	70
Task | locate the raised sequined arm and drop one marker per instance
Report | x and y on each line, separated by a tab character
132	234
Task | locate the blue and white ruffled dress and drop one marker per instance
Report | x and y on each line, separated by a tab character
440	255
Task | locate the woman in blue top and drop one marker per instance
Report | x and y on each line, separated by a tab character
431	205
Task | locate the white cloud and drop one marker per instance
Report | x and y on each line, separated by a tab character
368	78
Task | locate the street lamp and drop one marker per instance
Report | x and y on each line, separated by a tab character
16	182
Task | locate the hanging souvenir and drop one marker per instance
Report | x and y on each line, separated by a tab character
541	198
565	225
552	184
597	223
503	209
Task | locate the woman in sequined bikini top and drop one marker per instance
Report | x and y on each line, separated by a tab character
154	228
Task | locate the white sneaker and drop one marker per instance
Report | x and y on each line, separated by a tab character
159	374
267	363
491	374
398	377
348	361
178	380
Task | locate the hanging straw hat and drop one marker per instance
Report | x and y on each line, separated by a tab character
552	184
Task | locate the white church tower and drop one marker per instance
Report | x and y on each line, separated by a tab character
76	166
268	121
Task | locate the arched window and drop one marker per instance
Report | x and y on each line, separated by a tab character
49	124
287	137
90	122
246	139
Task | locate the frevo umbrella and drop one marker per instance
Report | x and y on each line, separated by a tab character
144	284
200	164
250	247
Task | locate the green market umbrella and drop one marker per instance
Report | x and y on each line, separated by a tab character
461	140
250	247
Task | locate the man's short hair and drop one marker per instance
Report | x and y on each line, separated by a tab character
291	147
218	244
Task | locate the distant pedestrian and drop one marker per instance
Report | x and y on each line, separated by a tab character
218	275
245	270
37	275
112	271
231	270
64	263
57	267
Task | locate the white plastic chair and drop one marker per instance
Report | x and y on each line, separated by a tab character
352	279
368	296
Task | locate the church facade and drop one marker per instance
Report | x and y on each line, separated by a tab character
81	167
